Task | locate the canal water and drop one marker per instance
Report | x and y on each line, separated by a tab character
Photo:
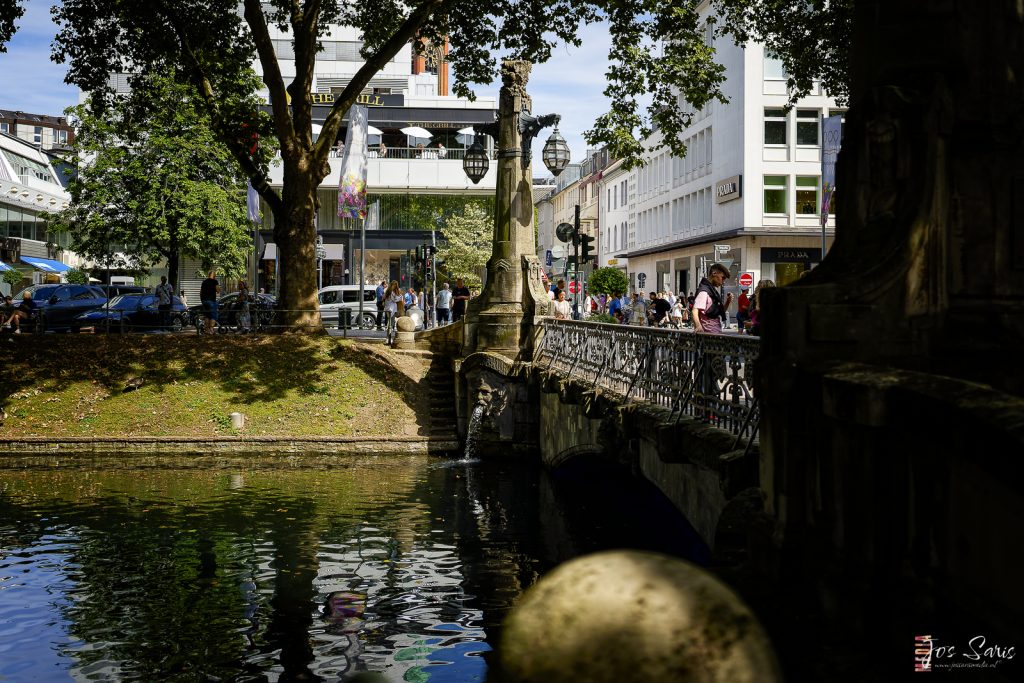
267	570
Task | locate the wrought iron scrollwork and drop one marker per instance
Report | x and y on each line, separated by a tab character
708	377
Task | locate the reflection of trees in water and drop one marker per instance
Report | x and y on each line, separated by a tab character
192	574
178	576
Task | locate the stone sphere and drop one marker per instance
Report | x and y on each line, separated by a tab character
405	324
624	616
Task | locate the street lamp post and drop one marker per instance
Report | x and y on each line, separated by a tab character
513	293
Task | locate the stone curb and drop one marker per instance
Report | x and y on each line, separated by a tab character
356	445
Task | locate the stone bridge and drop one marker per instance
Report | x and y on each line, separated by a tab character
676	408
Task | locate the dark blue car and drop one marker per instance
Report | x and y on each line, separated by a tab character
58	305
132	313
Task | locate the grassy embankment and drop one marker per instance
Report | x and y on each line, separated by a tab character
161	385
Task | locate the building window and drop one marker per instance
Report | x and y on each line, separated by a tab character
806	194
774	70
62	137
37	135
774	126
775	189
4	127
807	127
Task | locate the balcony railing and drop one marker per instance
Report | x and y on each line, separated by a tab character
706	376
431	153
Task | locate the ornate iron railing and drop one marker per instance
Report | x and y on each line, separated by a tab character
706	376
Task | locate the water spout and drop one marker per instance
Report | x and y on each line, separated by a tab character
473	432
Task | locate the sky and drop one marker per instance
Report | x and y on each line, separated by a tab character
571	83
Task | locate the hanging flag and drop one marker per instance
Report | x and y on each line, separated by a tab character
831	141
373	217
352	184
253	201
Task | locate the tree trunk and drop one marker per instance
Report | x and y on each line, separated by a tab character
172	263
295	237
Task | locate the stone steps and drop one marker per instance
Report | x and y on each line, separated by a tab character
440	384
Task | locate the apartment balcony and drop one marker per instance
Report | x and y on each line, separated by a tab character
410	169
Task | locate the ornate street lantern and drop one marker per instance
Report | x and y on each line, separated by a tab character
555	153
476	163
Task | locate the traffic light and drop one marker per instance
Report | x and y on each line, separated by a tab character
429	269
587	248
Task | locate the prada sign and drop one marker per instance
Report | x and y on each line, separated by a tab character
728	189
790	255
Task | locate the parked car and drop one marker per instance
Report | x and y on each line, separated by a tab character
132	313
335	297
117	290
58	305
261	312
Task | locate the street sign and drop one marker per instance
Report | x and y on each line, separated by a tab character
558	251
547	258
321	253
574	287
746	279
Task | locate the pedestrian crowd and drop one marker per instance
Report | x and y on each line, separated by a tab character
706	310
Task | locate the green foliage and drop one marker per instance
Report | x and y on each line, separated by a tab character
601	318
9	13
467	243
77	276
157	184
608	281
663	69
13	277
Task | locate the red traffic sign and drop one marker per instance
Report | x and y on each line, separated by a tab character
746	279
574	287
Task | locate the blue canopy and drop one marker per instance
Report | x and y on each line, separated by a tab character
46	265
4	266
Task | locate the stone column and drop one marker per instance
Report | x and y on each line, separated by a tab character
502	319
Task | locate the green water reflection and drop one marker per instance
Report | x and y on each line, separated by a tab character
262	570
259	574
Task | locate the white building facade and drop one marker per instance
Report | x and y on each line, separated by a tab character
414	188
746	194
30	189
613	192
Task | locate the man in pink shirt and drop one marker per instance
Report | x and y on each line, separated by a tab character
708	307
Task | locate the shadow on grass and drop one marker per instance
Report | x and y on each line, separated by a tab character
252	369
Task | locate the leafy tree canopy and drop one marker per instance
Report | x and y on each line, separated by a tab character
10	12
156	184
660	49
660	52
467	243
608	281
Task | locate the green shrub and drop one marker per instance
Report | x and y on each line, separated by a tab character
77	277
601	318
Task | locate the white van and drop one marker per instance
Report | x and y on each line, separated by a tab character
334	297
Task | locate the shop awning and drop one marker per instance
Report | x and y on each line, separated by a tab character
270	252
46	265
4	266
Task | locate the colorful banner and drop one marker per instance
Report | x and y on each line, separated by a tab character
352	184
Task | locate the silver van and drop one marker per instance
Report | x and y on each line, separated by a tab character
334	297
